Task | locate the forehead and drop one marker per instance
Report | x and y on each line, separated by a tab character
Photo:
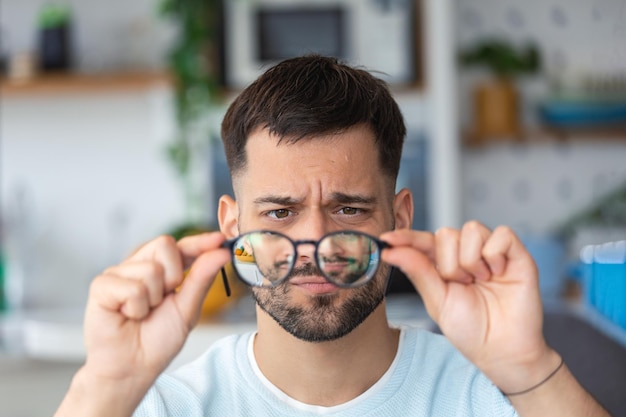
344	162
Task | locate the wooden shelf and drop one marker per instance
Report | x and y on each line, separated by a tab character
80	83
546	134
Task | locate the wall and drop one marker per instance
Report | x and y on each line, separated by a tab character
107	35
84	180
534	186
84	176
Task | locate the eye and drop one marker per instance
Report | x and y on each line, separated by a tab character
350	211
279	214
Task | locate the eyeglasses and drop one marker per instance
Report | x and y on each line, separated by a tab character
264	258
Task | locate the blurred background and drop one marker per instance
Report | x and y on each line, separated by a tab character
109	136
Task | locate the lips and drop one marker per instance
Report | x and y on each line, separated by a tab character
313	284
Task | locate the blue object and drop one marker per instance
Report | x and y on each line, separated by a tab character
604	280
550	256
581	114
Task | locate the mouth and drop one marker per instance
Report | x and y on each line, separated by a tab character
313	284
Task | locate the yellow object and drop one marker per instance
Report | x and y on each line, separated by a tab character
496	107
245	258
216	298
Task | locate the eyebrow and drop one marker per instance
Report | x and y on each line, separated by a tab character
344	198
341	198
276	199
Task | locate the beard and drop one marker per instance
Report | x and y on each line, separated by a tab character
323	319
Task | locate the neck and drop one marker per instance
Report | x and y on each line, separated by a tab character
326	373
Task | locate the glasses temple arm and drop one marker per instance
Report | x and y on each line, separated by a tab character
225	280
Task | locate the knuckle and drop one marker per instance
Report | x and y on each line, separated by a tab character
447	271
165	241
504	231
446	233
468	261
137	290
154	270
473	226
96	284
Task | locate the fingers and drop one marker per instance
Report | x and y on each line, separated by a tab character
204	255
503	248
193	246
155	271
473	253
148	274
448	253
414	252
116	294
421	272
198	281
420	240
164	252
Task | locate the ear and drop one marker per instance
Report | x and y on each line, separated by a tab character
403	209
227	215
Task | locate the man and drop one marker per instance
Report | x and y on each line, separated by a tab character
314	147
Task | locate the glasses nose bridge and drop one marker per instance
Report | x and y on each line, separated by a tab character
298	243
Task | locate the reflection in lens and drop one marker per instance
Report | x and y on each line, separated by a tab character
269	260
348	258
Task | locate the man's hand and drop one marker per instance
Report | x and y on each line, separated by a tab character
139	314
481	287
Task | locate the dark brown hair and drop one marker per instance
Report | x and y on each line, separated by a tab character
312	95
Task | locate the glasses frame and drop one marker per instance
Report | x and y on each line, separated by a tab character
230	245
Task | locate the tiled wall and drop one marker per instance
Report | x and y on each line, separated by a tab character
533	187
574	35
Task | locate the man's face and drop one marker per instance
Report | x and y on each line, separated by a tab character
305	190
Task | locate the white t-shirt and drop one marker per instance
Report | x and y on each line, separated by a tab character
428	377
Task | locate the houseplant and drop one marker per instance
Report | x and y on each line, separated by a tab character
54	38
193	62
496	100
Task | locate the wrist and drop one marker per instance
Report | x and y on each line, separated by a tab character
527	375
91	394
538	384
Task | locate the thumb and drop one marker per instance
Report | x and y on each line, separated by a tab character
422	273
199	279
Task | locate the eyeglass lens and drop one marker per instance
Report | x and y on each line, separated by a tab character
264	259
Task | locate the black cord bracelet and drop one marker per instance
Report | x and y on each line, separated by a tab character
539	384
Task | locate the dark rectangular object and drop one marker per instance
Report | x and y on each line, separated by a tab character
289	32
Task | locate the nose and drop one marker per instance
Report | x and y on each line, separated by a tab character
311	227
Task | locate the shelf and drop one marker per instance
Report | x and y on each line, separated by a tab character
81	83
546	134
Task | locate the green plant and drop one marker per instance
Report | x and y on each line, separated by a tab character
608	211
501	58
52	16
193	63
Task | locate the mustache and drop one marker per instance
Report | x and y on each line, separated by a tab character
304	270
338	258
